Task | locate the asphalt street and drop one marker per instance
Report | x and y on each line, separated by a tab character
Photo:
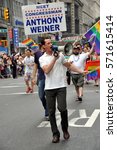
23	127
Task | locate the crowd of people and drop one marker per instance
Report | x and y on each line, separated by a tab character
11	66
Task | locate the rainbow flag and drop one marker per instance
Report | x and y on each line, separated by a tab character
31	44
34	47
28	42
94	70
93	34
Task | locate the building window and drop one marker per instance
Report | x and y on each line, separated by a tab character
68	16
76	26
76	11
17	9
1	3
76	19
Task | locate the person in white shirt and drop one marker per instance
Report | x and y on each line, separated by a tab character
29	63
79	59
55	87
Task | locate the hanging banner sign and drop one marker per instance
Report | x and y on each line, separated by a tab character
44	18
16	37
10	33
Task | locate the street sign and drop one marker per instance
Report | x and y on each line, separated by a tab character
3	30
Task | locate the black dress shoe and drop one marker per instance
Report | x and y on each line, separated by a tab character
66	135
55	139
80	99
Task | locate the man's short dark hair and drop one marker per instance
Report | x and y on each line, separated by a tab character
28	49
42	41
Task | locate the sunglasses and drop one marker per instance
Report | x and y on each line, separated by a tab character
76	48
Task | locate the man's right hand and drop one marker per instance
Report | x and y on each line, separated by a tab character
34	81
85	72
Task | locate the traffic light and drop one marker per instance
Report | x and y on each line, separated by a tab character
4	43
6	13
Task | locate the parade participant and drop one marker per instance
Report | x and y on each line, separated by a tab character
55	87
78	60
86	49
79	46
94	57
29	64
40	79
14	65
20	65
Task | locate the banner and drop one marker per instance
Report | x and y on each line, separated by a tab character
16	37
94	68
44	18
93	35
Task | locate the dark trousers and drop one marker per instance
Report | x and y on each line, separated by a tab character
14	71
41	92
59	95
68	77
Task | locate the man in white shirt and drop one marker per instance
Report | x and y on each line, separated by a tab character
29	63
79	59
55	87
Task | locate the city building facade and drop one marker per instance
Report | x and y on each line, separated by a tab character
80	14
